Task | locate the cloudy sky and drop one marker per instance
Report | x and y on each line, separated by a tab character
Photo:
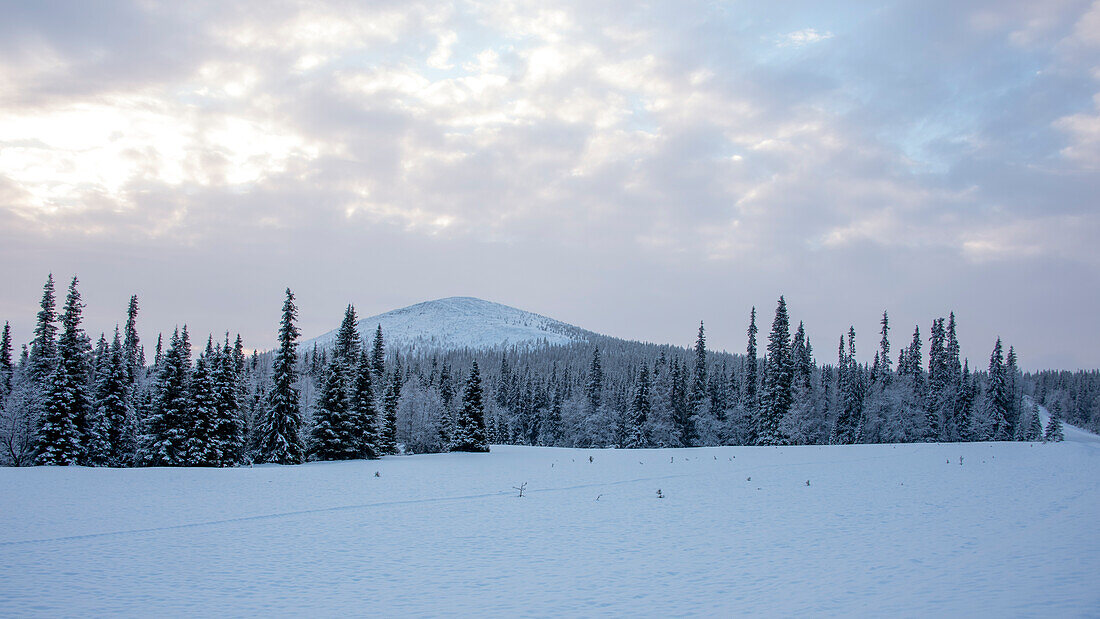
627	167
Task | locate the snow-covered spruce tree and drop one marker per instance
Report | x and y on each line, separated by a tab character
697	396
280	442
996	396
164	440
111	438
378	356
387	431
1012	389
201	447
6	367
637	434
593	390
228	427
131	344
469	434
1054	433
365	418
61	434
550	433
936	402
333	436
750	399
776	400
683	428
348	344
43	351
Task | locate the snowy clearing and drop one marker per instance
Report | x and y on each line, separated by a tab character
880	529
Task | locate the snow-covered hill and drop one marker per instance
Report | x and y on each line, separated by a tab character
463	322
941	530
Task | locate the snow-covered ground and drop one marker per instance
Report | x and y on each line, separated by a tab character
462	322
880	530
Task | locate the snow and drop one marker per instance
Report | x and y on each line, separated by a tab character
462	322
881	529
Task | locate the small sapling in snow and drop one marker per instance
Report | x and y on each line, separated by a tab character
659	495
520	488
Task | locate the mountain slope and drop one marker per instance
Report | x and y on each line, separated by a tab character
463	322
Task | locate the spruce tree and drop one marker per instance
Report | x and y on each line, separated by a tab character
228	427
111	436
640	410
777	398
885	372
365	418
1034	425
348	344
378	356
6	367
749	393
43	351
333	436
200	447
698	395
279	437
167	427
61	435
936	409
469	434
388	430
1054	431
996	397
593	390
131	344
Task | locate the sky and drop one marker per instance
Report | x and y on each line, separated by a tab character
628	167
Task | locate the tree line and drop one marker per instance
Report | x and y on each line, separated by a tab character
66	401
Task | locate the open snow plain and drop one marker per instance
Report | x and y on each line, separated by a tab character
880	530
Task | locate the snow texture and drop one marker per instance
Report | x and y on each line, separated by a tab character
883	530
462	322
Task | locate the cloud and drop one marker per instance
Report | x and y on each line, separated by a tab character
672	135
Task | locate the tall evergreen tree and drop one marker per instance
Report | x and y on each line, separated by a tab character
280	441
996	400
348	344
228	427
640	409
777	398
390	400
885	371
749	393
6	367
469	432
43	351
111	436
697	396
593	390
200	447
365	418
378	356
61	434
167	426
131	343
1034	425
334	434
936	404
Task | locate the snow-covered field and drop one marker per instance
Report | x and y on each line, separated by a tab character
880	530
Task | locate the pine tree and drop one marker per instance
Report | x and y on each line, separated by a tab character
111	436
43	351
200	446
697	397
131	344
6	367
885	372
61	435
164	442
365	419
1054	431
228	428
640	410
996	400
776	401
1012	412
378	356
388	431
469	432
348	343
279	440
593	390
936	409
333	436
749	394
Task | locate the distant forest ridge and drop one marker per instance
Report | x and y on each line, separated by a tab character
66	400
